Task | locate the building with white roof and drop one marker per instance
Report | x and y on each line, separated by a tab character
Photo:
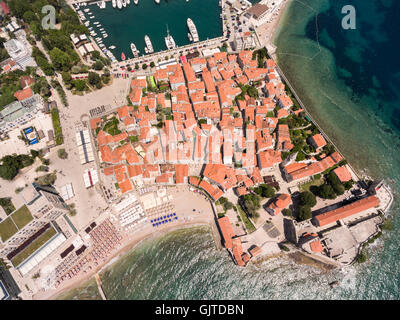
19	53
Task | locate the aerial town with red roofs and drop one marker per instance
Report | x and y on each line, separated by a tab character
235	133
97	156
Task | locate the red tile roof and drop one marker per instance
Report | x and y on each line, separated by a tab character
347	210
343	174
318	140
226	230
23	94
237	251
280	203
125	186
181	171
213	191
94	123
316	246
255	251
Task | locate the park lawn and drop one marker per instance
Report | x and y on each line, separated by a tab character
22	217
111	127
315	182
249	225
36	244
7	205
55	117
7	229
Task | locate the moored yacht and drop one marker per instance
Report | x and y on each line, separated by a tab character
149	45
135	51
124	3
136	1
114	3
119	4
157	1
169	41
192	29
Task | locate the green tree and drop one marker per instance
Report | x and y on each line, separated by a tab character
152	64
228	205
325	191
361	258
265	191
67	78
144	66
94	79
19	7
287	212
300	155
98	65
80	85
62	154
348	184
95	55
29	17
60	59
308	199
335	183
304	213
7	172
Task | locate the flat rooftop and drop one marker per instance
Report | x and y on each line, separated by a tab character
14	222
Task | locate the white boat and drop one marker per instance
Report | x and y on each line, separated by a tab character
124	3
135	51
87	10
119	4
157	1
114	3
149	45
169	41
192	29
112	47
96	22
128	2
136	1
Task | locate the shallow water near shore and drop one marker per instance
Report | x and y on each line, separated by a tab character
348	79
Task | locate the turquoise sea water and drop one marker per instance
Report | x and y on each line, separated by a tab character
131	24
349	80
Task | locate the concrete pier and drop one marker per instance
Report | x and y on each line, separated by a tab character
98	281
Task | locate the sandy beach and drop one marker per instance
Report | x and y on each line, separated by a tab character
267	32
195	211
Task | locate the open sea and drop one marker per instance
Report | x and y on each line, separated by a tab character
349	80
